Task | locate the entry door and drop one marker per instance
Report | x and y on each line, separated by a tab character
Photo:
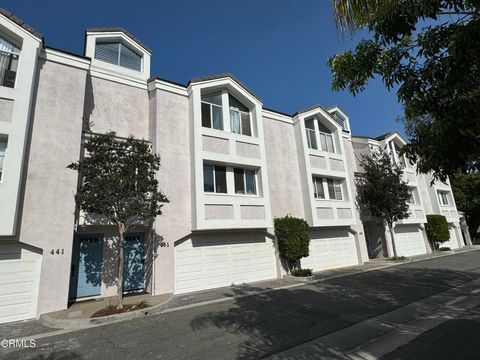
133	265
86	271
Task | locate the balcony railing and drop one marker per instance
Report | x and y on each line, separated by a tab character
8	69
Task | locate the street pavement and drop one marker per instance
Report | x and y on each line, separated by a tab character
428	309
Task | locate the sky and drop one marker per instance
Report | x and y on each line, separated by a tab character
277	48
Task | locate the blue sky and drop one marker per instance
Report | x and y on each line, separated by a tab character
278	48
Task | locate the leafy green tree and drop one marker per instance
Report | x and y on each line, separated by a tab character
437	230
383	191
428	50
293	239
466	190
118	182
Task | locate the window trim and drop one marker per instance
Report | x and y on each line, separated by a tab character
244	177
211	115
316	180
240	112
326	189
120	43
215	179
412	200
441	195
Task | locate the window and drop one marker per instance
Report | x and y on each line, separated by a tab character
118	54
212	115
239	117
9	55
3	148
339	119
413	197
334	189
443	198
326	138
319	192
310	130
245	182
214	179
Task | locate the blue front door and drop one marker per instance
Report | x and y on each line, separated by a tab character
133	266
86	271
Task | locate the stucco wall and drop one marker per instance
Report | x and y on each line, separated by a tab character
172	138
118	107
283	169
48	211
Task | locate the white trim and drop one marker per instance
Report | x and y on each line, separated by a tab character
118	78
276	116
166	86
65	59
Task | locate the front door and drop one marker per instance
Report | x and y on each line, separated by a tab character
86	270
133	266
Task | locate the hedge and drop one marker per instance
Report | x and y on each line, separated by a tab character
293	239
437	229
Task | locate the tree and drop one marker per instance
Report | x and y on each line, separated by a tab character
466	190
383	192
437	230
293	239
428	51
118	182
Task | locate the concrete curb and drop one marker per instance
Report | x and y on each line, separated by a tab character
84	323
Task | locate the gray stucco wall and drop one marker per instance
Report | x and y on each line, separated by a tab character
172	138
48	210
283	169
118	107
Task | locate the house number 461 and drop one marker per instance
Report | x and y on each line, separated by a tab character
58	252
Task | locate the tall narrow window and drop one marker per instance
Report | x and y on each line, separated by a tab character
443	198
412	199
310	131
319	192
334	189
3	148
214	179
9	55
239	117
326	138
212	116
245	181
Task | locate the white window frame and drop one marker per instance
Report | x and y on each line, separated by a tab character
327	135
214	179
211	114
2	159
240	112
412	200
316	180
337	188
255	174
443	198
120	44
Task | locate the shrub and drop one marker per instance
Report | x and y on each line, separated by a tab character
302	272
293	239
437	230
444	248
397	258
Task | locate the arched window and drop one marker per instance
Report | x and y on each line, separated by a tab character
9	54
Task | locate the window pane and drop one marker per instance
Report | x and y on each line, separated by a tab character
323	128
213	98
319	192
309	124
323	142
217	117
3	146
208	185
235	121
246	130
130	59
250	182
220	179
206	115
234	103
239	182
108	52
331	189
338	189
311	139
330	143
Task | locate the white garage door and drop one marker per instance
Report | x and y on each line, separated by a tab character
452	242
19	280
409	240
330	249
212	261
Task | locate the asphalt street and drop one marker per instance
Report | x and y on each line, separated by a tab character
425	309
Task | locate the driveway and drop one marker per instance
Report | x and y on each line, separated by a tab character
429	308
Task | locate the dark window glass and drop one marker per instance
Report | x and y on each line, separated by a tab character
234	103
208	184
220	179
239	181
318	184
331	189
206	115
217	117
250	182
246	129
213	98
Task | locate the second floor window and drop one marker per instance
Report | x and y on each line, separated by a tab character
413	197
215	179
3	148
212	115
334	189
443	198
245	181
239	117
311	137
9	54
326	138
117	53
333	186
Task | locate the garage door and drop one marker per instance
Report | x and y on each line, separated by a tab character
330	249
211	261
452	242
19	280
409	240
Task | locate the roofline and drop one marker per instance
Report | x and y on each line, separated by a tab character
21	23
68	52
166	80
119	29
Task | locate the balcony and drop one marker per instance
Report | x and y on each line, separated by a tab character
8	69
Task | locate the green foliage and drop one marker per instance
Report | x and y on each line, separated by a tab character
466	190
293	238
383	192
397	258
444	248
302	272
437	229
118	180
428	51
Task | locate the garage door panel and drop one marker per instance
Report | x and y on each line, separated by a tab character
452	242
409	240
224	262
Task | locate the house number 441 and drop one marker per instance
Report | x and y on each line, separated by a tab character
57	251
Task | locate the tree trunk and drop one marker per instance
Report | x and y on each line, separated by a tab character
392	235
121	245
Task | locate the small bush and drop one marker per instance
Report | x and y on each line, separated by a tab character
444	248
302	272
142	305
293	239
397	258
437	230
